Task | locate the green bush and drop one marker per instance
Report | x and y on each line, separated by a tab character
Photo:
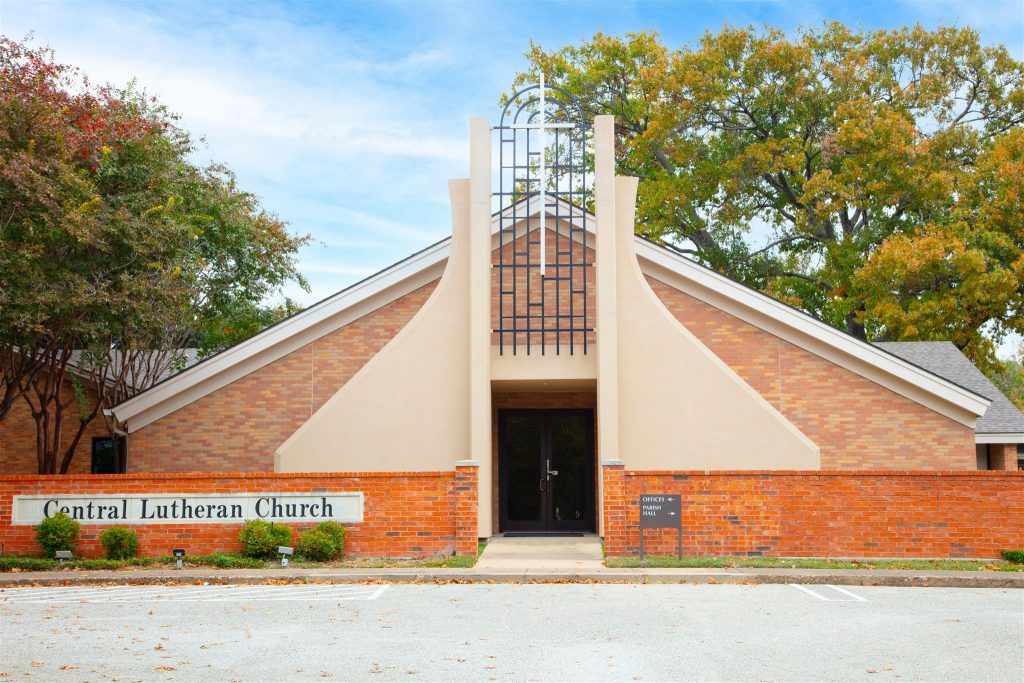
335	531
318	546
1014	556
120	543
59	532
323	543
26	564
260	538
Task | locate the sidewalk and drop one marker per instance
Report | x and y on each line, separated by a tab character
277	575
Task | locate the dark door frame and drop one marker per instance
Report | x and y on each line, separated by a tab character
547	523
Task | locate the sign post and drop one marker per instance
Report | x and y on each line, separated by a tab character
661	511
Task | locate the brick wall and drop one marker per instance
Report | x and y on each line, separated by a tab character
406	514
856	423
1002	456
18	439
556	294
239	426
822	514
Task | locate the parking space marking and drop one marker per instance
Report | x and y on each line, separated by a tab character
230	593
851	597
846	592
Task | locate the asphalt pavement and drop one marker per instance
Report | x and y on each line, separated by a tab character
503	632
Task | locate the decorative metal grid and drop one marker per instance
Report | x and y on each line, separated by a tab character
543	293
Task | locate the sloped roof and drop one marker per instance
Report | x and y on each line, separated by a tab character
422	267
946	360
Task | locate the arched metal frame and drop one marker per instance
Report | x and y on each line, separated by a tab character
554	171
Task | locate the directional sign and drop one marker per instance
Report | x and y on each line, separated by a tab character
660	510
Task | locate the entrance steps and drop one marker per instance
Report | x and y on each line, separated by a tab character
555	552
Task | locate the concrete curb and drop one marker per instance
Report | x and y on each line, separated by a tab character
945	579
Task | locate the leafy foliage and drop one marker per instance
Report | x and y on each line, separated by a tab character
260	539
59	532
119	543
1014	556
324	542
887	166
115	249
1008	376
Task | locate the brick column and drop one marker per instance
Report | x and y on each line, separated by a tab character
466	507
613	477
1002	456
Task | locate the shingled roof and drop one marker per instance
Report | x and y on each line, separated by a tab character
946	360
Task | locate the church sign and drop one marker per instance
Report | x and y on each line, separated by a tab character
213	508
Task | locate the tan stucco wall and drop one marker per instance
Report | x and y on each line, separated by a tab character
679	405
407	408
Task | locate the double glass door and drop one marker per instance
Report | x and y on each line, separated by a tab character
546	470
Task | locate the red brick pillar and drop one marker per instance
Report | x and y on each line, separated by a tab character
613	474
1002	456
466	507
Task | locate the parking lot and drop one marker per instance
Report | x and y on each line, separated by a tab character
511	632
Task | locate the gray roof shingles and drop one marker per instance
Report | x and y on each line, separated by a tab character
945	360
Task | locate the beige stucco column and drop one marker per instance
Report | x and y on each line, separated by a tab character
480	312
607	329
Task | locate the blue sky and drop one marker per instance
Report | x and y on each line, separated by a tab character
348	118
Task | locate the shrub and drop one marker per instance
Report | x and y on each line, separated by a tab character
260	538
1014	556
59	532
26	564
120	543
318	546
324	542
335	531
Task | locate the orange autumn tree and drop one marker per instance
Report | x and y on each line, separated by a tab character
885	167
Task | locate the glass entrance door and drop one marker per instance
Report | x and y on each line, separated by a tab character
546	472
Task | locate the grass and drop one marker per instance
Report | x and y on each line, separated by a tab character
661	561
19	563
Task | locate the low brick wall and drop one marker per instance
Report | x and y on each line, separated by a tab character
925	514
405	514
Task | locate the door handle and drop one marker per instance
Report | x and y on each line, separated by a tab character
553	473
542	484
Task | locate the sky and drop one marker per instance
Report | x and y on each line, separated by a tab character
348	119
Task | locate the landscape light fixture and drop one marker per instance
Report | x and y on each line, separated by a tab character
178	554
62	555
284	551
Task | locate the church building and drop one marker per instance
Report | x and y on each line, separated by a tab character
540	340
544	366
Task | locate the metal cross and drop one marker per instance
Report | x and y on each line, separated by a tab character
542	128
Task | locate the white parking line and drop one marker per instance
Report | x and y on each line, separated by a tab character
819	596
240	593
846	592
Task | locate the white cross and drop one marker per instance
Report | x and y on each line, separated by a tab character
542	132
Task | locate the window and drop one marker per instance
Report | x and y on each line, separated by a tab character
105	460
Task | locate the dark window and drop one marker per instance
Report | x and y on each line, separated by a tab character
105	460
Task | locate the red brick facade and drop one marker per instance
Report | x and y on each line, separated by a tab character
406	514
556	294
856	423
238	427
1002	456
822	514
18	439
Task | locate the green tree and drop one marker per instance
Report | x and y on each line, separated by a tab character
1009	377
115	249
886	166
